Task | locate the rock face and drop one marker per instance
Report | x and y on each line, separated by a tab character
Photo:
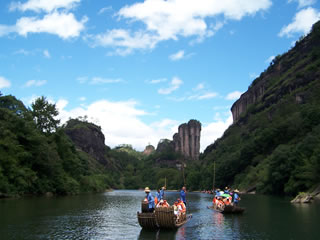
187	140
302	198
88	138
264	90
148	150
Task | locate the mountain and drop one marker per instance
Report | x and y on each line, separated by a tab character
273	145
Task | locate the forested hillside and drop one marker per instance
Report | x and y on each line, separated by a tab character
273	145
37	155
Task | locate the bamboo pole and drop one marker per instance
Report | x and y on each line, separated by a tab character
214	174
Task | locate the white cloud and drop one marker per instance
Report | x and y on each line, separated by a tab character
57	19
65	25
23	52
177	56
121	122
233	95
200	86
269	60
43	5
303	3
253	75
156	81
124	40
5	30
82	79
61	104
46	53
82	99
4	83
105	9
166	19
36	83
174	85
207	96
302	22
212	131
99	80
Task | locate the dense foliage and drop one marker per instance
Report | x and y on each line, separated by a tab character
35	162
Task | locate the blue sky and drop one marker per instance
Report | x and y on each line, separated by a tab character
140	68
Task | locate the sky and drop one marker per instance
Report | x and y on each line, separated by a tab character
139	69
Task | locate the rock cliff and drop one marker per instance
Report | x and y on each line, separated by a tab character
266	88
88	138
187	140
148	150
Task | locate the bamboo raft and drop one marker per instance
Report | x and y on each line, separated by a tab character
228	209
162	217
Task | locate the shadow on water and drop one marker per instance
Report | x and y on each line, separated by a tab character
157	234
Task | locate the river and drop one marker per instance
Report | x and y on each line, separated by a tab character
113	215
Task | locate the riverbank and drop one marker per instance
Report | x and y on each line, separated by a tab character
47	194
307	197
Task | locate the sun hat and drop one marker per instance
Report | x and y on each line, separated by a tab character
147	189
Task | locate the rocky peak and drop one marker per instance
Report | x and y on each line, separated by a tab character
148	150
187	140
88	138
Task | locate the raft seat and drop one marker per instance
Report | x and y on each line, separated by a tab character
165	217
147	220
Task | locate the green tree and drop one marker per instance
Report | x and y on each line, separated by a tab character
44	114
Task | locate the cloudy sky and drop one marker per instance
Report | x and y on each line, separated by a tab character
140	68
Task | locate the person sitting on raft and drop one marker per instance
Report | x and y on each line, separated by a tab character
150	199
163	203
181	205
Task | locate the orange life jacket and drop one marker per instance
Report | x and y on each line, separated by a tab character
183	207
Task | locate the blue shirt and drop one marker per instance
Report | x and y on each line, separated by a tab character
150	200
183	196
161	193
235	198
158	195
217	193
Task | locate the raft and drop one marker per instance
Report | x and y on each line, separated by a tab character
162	217
228	209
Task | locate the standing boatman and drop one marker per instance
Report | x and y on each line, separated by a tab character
150	199
183	195
162	192
236	197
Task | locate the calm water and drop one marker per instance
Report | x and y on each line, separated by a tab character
113	216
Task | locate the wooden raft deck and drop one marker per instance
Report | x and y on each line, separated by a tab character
163	217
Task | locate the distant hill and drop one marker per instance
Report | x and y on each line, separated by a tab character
273	145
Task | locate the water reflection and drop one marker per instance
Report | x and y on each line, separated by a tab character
113	216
